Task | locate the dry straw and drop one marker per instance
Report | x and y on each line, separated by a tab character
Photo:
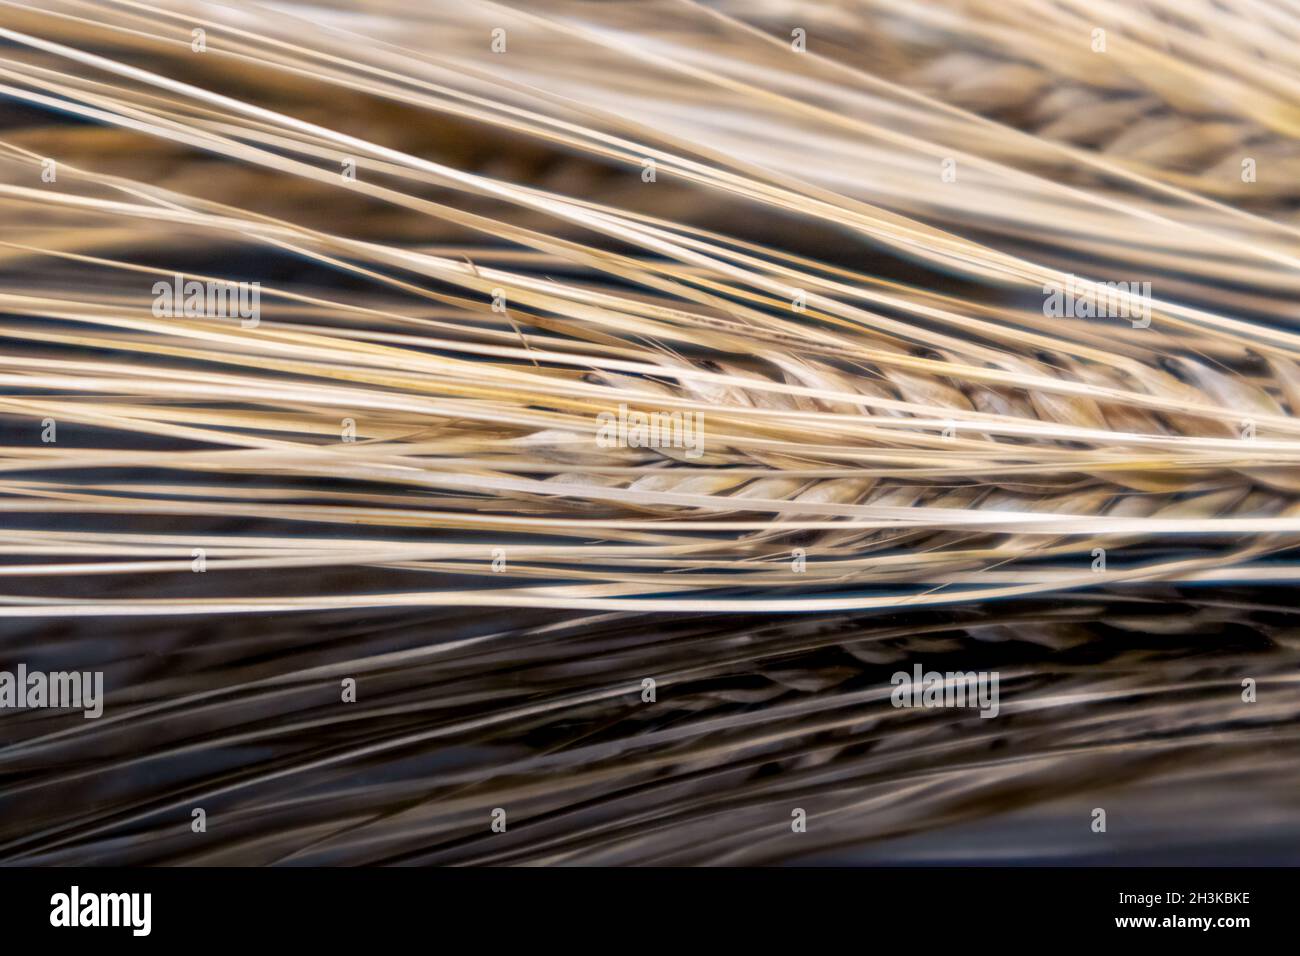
828	232
924	433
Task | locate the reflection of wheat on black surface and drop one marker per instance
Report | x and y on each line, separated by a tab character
619	395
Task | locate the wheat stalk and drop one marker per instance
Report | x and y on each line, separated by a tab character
892	420
906	436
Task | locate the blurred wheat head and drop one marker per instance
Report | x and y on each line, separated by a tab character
827	230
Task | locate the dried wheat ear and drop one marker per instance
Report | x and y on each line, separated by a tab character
827	283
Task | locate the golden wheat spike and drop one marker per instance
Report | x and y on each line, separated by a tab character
958	446
606	336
